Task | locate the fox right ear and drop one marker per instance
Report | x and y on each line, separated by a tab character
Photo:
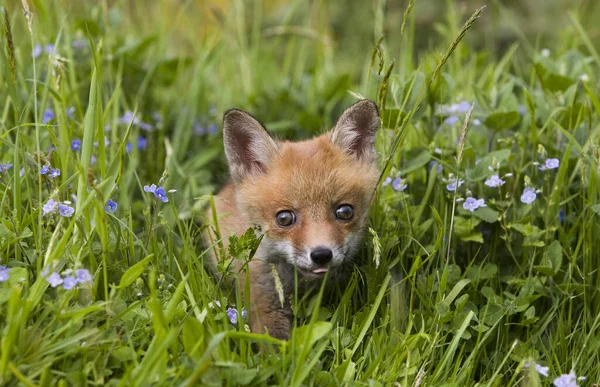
248	146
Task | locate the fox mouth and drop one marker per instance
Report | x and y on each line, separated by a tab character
316	273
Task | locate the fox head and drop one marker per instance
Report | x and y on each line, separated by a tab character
309	198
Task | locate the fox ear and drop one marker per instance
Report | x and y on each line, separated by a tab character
355	130
248	146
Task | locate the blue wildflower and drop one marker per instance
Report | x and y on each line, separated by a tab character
550	164
70	112
54	279
128	117
528	196
439	168
5	167
142	143
476	122
65	210
399	185
150	188
50	206
451	120
83	276
561	215
522	110
3	273
128	147
111	206
76	145
49	48
48	116
213	129
199	130
146	126
494	181
69	282
92	159
568	380
471	204
37	51
54	172
232	315
45	169
453	184
386	181
161	194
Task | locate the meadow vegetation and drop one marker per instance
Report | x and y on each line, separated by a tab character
480	265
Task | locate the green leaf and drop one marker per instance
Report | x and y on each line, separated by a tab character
528	230
481	170
487	214
596	209
134	272
416	162
308	335
502	120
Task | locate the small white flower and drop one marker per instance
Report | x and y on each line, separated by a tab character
545	52
584	77
542	370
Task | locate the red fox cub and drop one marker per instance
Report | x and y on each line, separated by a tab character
309	198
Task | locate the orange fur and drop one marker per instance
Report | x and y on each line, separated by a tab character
312	179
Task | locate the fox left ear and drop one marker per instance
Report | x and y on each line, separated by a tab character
355	130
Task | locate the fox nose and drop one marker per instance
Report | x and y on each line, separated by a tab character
321	255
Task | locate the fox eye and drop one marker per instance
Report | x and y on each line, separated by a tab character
285	218
344	212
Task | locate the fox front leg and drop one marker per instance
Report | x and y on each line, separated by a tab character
267	314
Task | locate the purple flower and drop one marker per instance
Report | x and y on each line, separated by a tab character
199	130
471	204
5	167
76	145
151	188
54	172
111	206
37	51
142	143
494	181
522	110
83	276
49	48
528	195
128	117
453	184
438	167
22	171
48	116
70	112
157	116
561	215
45	169
542	370
386	181
65	210
161	194
232	315
399	185
451	120
128	147
145	126
550	164
476	122
3	273
69	282
212	129
567	380
54	279
92	159
50	206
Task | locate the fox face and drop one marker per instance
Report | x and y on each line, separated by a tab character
309	198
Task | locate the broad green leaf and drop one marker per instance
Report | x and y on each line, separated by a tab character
502	120
134	272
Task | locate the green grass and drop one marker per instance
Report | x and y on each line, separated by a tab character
440	295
